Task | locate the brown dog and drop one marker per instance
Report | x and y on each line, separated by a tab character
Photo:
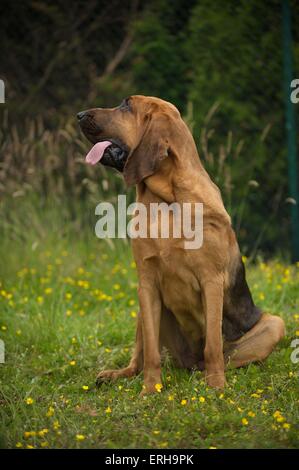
196	303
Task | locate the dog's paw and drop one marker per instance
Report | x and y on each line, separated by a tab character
105	376
151	387
215	380
108	375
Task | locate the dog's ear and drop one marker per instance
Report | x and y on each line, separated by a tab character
151	151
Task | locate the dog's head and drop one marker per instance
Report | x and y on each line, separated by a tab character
134	137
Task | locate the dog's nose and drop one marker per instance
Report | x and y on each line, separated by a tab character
81	115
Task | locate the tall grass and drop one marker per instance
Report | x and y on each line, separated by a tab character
50	162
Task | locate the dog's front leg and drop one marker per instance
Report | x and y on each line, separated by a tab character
150	310
213	352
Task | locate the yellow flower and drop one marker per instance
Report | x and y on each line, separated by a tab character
43	432
251	414
85	387
68	296
72	363
3	328
108	410
170	397
56	425
29	446
286	425
29	401
202	399
278	416
18	332
297	333
184	402
280	419
68	313
133	314
19	445
244	259
50	412
244	422
158	387
212	447
80	437
262	296
116	286
156	432
28	434
48	291
44	444
40	299
107	350
131	302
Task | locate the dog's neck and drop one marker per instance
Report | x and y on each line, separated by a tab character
182	178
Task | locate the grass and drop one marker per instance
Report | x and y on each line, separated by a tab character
68	309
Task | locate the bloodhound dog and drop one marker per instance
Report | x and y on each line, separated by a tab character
194	302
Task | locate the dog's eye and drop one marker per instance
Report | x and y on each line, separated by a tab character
125	105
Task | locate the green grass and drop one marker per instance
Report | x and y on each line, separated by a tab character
67	310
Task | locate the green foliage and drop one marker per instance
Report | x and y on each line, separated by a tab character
68	309
230	58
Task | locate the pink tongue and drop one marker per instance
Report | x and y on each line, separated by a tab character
96	153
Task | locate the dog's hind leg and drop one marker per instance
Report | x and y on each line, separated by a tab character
135	365
256	344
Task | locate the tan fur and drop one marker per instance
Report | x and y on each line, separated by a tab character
181	292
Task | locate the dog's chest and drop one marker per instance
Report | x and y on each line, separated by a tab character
180	288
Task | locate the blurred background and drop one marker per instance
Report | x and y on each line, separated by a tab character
220	63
